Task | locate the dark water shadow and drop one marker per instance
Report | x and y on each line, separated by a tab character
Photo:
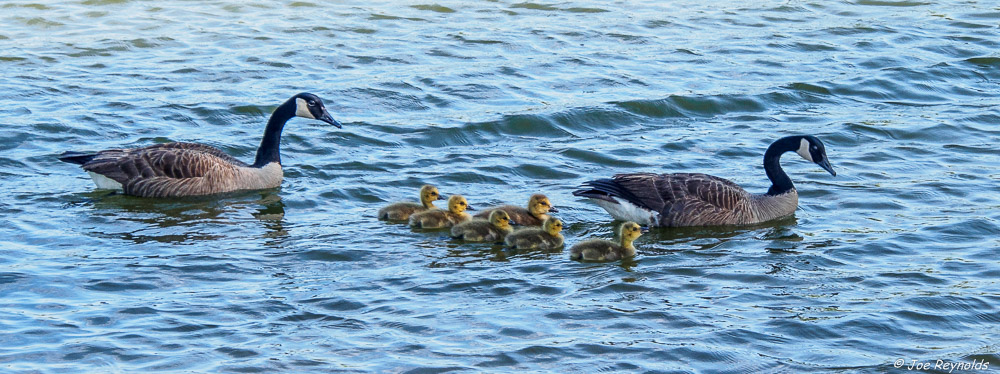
675	239
181	220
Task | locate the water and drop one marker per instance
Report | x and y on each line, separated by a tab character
895	258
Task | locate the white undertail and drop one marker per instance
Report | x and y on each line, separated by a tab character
103	182
626	211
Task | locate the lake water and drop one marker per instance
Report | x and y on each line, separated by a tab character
894	258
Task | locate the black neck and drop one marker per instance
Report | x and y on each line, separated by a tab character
780	183
270	145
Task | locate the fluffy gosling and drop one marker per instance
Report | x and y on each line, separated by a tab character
533	215
544	238
606	250
401	211
480	230
439	219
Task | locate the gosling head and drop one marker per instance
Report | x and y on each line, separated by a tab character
552	226
500	219
812	149
539	204
629	231
428	195
457	204
311	106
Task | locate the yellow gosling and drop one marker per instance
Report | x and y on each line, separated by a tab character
439	219
480	230
544	238
606	250
401	211
536	212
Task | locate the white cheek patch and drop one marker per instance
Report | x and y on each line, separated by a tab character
302	109
804	150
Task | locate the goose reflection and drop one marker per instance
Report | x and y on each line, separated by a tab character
182	220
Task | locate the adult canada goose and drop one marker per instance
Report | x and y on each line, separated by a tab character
402	210
606	250
533	215
480	230
191	169
683	199
546	237
437	218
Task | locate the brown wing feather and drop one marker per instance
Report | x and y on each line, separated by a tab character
642	189
692	199
165	170
202	148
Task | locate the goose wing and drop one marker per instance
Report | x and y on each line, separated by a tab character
640	189
164	170
201	148
682	199
694	199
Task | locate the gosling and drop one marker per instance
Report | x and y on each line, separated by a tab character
606	250
401	211
439	219
533	215
479	230
545	238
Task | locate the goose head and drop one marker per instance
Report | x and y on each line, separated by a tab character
812	149
539	205
428	195
457	204
552	226
500	219
311	106
628	232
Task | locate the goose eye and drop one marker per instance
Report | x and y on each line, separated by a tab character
312	103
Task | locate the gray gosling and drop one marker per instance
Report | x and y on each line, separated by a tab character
533	215
606	250
480	230
544	238
439	219
401	211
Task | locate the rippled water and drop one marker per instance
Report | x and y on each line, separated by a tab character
895	258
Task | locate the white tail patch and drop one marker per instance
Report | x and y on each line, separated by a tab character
103	182
804	150
302	109
626	211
